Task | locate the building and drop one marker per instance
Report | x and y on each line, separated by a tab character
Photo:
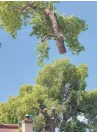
9	128
27	126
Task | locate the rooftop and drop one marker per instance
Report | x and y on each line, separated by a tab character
9	127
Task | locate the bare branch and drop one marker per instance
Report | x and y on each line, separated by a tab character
47	36
44	112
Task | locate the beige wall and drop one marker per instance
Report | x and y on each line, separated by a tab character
27	126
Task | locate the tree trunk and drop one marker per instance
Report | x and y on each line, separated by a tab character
50	125
60	39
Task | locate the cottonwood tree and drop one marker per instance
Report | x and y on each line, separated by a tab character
46	24
55	100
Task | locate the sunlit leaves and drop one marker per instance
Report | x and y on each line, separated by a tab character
61	72
43	52
41	24
11	19
89	105
15	15
25	89
48	92
71	27
39	121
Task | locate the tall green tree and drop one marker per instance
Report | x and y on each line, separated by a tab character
46	24
59	95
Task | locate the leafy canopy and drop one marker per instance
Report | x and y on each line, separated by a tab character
49	91
15	15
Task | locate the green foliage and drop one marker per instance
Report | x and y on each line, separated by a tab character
25	89
89	106
48	92
55	76
12	16
7	110
74	126
20	129
71	27
42	51
15	15
52	79
41	24
39	121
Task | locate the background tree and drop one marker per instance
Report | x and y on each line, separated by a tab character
46	24
59	97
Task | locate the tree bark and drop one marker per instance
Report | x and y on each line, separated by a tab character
60	39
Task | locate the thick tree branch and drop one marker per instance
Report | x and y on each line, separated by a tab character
43	111
47	36
60	39
31	6
58	35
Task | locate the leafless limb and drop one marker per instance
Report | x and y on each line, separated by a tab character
43	111
47	36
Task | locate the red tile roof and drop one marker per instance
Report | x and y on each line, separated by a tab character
9	128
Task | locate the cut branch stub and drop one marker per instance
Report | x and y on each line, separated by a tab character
60	44
60	39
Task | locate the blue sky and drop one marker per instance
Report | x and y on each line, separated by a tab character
18	62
